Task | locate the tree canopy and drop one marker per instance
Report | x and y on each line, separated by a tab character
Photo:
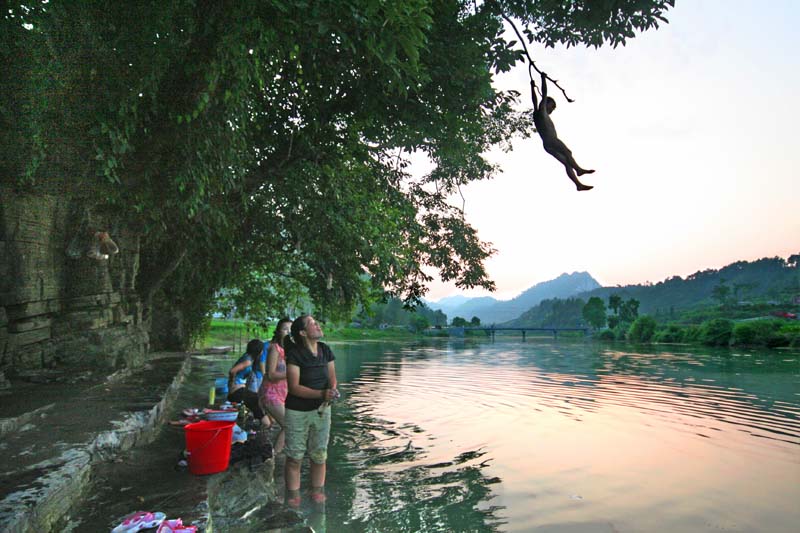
270	142
594	312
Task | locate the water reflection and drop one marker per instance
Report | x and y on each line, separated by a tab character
477	436
391	482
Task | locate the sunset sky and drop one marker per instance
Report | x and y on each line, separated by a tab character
693	132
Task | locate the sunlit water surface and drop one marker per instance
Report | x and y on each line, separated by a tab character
566	437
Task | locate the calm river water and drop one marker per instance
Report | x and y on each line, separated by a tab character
566	437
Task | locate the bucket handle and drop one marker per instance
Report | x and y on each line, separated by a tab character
206	444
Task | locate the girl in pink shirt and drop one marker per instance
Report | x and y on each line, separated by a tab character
273	390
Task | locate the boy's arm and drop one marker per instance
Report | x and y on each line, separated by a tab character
533	96
544	88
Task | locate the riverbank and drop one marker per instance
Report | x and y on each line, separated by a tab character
719	332
59	430
770	333
82	451
236	333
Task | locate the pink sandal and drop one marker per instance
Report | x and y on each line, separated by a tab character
175	526
138	521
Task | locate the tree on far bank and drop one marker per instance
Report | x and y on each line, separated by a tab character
475	322
642	329
459	322
594	312
420	323
721	292
624	311
629	310
614	301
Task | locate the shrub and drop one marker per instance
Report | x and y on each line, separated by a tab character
716	332
692	334
672	333
642	329
795	342
754	332
792	333
604	335
778	339
621	331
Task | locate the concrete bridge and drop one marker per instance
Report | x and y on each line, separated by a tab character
490	331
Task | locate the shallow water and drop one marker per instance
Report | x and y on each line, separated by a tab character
555	436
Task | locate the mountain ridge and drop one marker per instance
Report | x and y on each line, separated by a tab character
759	279
490	311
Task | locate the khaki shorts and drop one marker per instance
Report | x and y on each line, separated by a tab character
308	430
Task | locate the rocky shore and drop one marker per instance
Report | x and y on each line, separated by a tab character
79	451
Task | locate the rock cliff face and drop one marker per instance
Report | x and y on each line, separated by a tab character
57	309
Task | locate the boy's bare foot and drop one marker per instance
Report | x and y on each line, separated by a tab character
585	187
581	172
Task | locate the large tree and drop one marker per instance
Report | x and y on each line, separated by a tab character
269	142
594	312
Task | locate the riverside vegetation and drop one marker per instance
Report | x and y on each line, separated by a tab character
741	304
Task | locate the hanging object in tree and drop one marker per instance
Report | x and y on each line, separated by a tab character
102	246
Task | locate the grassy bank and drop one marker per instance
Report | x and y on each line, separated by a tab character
351	334
236	333
768	333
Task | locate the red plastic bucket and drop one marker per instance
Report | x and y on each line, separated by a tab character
209	446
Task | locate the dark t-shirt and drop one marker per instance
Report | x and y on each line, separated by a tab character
313	373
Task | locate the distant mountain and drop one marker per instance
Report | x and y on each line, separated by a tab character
453	301
767	280
450	304
492	311
473	307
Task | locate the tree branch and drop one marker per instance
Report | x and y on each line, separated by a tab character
531	62
163	274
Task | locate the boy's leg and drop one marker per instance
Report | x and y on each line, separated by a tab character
560	151
574	164
562	154
580	171
571	174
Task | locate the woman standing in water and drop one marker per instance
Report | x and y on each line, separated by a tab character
273	390
311	379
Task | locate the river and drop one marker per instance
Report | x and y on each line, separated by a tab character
475	435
